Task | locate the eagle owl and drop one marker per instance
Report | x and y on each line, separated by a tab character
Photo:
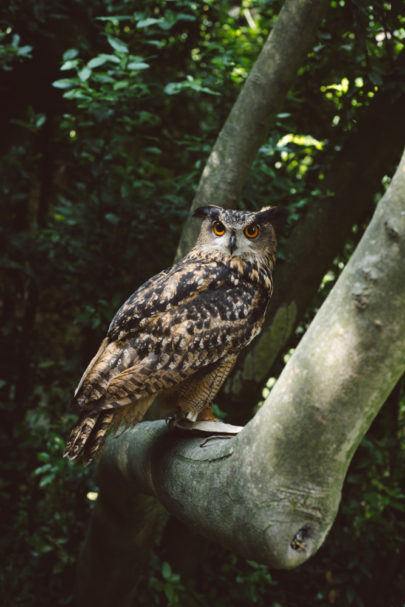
180	333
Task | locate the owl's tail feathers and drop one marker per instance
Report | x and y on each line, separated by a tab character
88	435
94	446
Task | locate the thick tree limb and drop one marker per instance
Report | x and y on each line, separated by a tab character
256	108
272	492
354	178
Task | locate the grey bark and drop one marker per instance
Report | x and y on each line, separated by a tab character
255	109
271	493
319	237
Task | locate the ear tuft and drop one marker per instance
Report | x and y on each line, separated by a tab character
271	214
208	211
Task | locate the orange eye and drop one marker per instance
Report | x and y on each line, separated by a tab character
251	231
218	228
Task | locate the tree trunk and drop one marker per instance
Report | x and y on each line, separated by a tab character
272	492
117	545
254	112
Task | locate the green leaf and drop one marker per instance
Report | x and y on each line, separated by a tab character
166	571
148	22
70	54
65	83
115	18
24	50
185	17
137	65
101	60
75	94
84	73
46	480
122	84
156	43
112	218
70	64
43	456
40	120
42	469
117	44
174	88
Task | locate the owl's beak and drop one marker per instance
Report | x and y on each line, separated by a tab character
232	243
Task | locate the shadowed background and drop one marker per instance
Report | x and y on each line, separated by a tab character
108	113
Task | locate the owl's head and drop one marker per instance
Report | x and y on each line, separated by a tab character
238	233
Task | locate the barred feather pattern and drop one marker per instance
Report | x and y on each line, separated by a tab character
180	333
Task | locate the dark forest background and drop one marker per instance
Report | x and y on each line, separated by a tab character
109	110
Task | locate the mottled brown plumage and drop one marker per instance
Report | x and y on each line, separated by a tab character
180	333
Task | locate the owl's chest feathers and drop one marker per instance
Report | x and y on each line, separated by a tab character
237	286
250	272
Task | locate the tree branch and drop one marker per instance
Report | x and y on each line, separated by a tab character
353	178
256	108
272	492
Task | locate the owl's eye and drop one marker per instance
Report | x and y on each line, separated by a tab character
251	231
218	228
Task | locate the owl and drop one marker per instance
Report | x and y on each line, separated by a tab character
179	335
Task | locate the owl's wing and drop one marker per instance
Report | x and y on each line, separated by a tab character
166	291
188	340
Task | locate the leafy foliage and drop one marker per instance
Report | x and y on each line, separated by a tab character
11	50
110	110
